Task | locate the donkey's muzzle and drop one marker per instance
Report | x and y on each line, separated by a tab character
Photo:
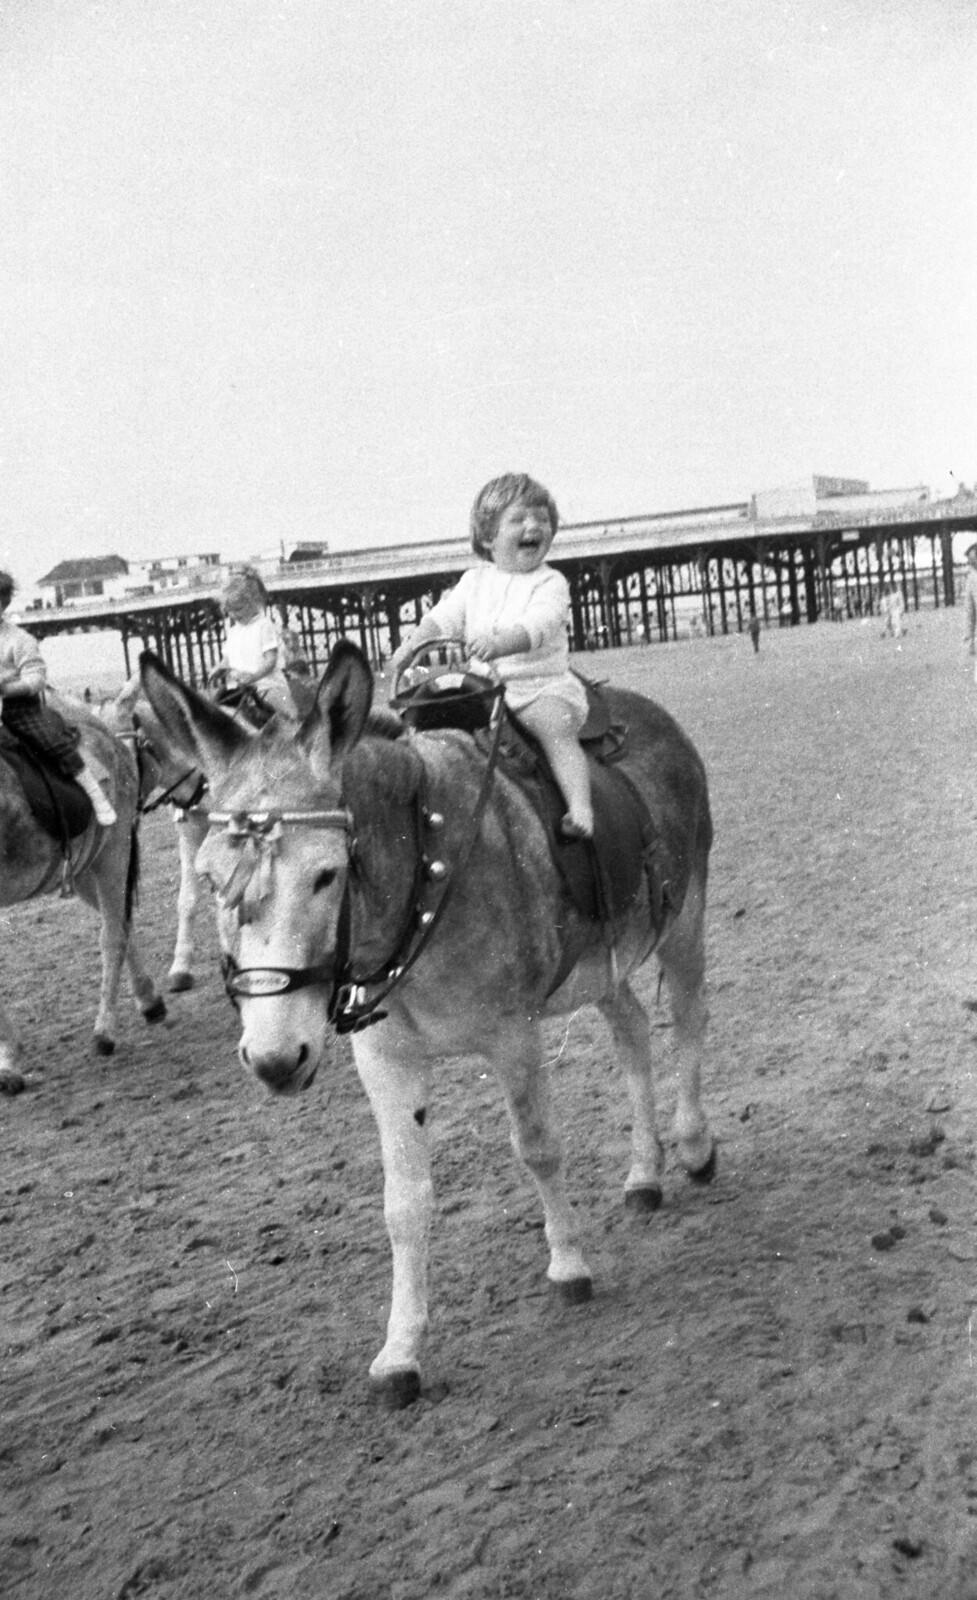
282	1072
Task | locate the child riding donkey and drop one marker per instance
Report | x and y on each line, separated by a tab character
253	649
514	611
23	678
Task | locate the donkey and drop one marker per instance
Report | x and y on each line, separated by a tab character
169	779
173	780
102	863
398	888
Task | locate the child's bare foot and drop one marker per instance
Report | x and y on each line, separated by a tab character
573	828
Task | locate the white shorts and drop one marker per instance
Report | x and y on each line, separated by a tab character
521	693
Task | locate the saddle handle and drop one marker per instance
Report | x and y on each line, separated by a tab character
452	691
245	698
455	659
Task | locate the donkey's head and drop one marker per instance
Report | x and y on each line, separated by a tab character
166	774
277	855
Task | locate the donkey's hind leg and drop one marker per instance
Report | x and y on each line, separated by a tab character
683	964
105	889
516	1054
629	1027
113	935
148	998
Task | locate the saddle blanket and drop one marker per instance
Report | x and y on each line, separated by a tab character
607	874
57	804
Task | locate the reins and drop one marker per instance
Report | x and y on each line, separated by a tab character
136	736
166	797
236	704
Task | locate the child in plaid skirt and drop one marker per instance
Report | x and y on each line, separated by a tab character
23	676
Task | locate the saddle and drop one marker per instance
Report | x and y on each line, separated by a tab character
603	876
57	804
247	699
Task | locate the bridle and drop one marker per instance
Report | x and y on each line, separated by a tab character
142	747
351	1007
236	703
166	797
256	835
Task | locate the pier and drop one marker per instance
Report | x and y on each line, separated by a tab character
642	579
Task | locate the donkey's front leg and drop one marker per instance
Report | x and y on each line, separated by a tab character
516	1054
398	1093
190	835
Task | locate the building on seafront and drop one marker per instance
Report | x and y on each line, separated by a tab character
822	548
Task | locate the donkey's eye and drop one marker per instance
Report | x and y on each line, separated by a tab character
324	879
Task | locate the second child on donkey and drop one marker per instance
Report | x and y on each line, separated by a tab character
252	649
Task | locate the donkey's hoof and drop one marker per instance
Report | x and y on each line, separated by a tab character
643	1200
103	1045
157	1011
179	982
396	1390
11	1081
707	1171
573	1291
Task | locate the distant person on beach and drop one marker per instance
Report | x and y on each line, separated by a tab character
970	604
891	609
295	662
753	629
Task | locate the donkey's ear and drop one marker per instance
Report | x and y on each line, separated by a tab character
342	704
201	731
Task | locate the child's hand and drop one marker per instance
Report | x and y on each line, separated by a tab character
483	647
500	642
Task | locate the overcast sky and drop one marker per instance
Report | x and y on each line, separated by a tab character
277	269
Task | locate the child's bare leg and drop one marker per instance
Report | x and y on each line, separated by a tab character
556	727
101	804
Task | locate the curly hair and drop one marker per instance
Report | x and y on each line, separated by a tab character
245	583
496	498
7	587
